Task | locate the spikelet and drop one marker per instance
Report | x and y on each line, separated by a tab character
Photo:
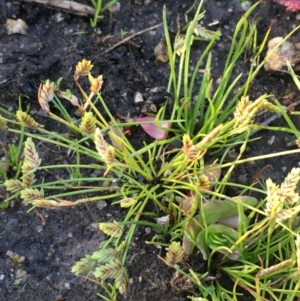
246	110
285	214
274	268
188	147
241	111
29	194
174	254
46	94
204	33
96	83
273	204
13	185
203	144
204	183
27	120
116	136
298	252
287	188
113	229
28	178
296	274
279	198
109	156
31	157
179	46
268	106
100	143
127	202
88	123
121	281
3	125
115	270
83	68
107	153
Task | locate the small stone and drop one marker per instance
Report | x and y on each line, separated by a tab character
2	276
67	286
246	5
115	8
15	26
148	230
4	164
101	204
58	17
39	229
162	220
138	97
11	225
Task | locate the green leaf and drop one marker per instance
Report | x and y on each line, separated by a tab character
216	236
210	214
202	244
229	208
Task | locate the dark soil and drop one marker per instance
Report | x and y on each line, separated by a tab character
51	50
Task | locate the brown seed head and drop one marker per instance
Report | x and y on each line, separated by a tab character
46	94
96	83
83	68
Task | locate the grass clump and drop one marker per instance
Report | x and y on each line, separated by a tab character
253	241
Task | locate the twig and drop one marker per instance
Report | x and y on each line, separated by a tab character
75	8
130	37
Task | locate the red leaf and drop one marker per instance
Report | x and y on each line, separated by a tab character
291	5
158	133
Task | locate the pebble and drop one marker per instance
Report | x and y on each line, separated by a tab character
39	228
58	17
246	5
115	8
147	230
11	225
101	204
138	97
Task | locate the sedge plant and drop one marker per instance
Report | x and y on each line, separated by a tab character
187	183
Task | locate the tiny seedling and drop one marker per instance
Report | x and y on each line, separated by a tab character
15	258
100	8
